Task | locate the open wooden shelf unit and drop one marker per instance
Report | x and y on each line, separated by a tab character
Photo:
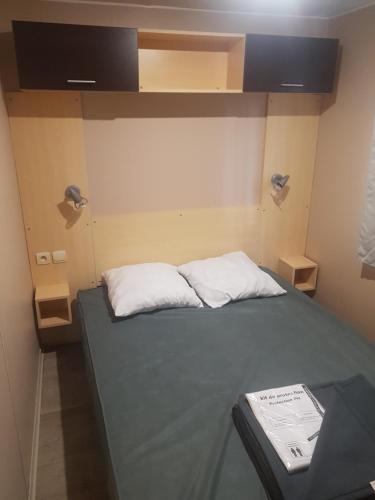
52	304
300	271
190	62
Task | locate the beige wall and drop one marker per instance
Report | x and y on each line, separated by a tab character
20	353
345	286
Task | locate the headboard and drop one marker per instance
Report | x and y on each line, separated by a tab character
48	135
174	236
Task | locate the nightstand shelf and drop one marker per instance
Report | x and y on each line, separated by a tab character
52	304
300	271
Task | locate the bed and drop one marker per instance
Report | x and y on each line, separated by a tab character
164	384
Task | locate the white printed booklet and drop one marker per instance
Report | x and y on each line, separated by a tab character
291	418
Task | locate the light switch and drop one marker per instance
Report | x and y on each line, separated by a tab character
59	256
43	258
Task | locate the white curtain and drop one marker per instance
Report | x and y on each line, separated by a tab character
366	249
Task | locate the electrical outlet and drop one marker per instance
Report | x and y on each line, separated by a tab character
58	256
43	258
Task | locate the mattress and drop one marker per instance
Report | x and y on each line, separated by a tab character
164	384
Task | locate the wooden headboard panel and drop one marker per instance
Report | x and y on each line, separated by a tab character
48	141
174	236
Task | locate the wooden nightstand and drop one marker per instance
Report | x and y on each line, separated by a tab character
300	271
52	304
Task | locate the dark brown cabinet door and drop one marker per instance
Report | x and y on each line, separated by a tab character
67	56
289	64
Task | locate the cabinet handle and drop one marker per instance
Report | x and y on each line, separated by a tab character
81	81
292	84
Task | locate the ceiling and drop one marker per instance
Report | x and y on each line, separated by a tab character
306	8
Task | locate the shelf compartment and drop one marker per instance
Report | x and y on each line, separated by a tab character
190	62
305	279
300	272
52	304
189	91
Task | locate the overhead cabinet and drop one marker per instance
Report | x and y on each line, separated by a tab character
289	64
67	56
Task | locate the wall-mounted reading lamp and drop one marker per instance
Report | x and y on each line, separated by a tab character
73	193
279	181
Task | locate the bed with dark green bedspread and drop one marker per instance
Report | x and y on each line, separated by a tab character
165	382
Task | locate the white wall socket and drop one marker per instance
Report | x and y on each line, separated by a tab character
59	256
43	258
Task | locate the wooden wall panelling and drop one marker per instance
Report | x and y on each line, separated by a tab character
290	148
17	329
174	236
236	58
47	136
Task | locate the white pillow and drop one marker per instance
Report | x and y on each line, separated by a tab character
146	287
233	276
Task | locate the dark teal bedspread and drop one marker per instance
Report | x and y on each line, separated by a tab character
165	383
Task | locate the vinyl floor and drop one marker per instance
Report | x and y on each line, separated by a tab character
70	460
